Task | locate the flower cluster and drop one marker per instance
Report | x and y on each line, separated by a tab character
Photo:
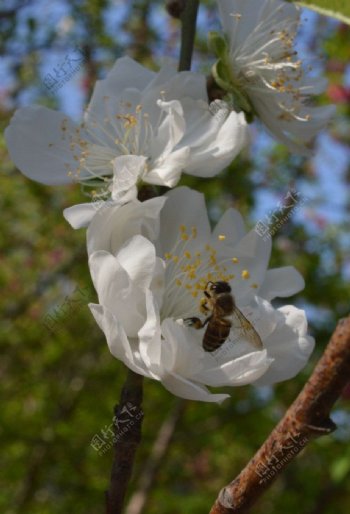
178	302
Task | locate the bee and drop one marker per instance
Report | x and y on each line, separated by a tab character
219	303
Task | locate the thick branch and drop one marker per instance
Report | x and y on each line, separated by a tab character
307	418
188	32
127	427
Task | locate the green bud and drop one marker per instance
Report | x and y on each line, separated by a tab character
217	44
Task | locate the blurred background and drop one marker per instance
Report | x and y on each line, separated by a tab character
59	382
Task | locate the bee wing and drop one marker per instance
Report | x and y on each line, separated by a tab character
246	329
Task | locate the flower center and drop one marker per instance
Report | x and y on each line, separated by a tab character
96	142
190	265
265	62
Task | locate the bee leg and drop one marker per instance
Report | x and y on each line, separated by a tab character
194	322
206	321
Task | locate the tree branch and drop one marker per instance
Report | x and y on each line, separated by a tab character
307	418
188	31
127	427
161	444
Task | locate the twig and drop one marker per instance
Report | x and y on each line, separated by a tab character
139	498
188	31
127	427
307	418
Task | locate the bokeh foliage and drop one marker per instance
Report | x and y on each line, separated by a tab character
59	382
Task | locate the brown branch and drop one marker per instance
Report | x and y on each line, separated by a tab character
307	418
161	444
127	427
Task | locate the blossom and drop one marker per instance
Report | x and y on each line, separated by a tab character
150	272
140	126
262	71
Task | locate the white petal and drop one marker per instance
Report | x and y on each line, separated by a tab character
164	76
186	207
171	129
190	390
138	258
167	171
117	340
116	291
150	337
127	170
115	224
126	73
262	315
281	282
186	84
39	147
253	254
80	215
212	157
171	85
238	29
108	277
184	353
231	225
288	345
241	371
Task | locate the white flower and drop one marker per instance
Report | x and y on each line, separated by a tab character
150	275
140	126
266	74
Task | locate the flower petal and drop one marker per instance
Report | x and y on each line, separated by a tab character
189	390
171	129
138	259
150	343
288	345
38	145
117	340
167	172
114	224
127	170
250	260
185	355
240	371
80	215
108	276
281	282
215	154
185	207
124	74
231	225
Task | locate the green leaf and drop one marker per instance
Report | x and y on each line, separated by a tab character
339	9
